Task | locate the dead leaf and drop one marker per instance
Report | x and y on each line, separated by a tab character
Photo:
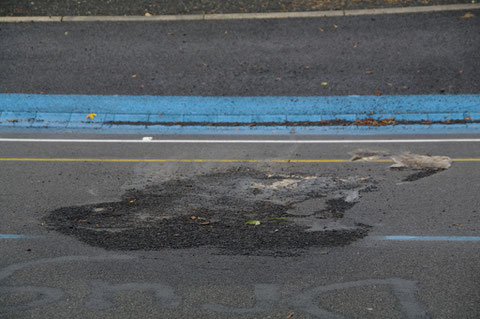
426	122
193	217
276	230
461	71
307	68
334	26
468	118
324	83
148	14
204	223
369	72
133	201
290	315
457	225
80	221
91	116
142	85
355	45
378	93
320	29
134	75
278	79
13	121
467	15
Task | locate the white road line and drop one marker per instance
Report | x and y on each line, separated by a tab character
200	141
243	16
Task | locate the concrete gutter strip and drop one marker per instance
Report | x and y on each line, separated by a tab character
243	16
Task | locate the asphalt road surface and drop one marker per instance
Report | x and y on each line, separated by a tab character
60	272
240	230
419	53
160	7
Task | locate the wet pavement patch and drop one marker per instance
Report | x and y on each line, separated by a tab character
292	213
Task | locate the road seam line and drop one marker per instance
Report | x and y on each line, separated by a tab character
243	16
429	238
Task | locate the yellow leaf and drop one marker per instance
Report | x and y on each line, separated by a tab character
324	83
91	116
467	15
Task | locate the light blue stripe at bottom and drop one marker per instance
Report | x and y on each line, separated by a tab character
12	236
431	238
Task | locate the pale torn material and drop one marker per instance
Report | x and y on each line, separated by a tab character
366	155
288	183
414	161
405	160
284	183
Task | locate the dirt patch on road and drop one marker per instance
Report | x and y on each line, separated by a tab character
291	213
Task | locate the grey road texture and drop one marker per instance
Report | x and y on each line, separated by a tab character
240	230
391	54
159	7
60	273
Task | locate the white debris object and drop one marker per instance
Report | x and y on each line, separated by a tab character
415	161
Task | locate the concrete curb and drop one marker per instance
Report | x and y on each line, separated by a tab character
243	16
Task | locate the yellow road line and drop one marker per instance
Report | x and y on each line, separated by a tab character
144	160
466	159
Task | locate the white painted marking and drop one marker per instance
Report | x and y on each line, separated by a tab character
199	141
244	16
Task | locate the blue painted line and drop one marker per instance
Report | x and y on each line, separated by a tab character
68	112
431	238
13	236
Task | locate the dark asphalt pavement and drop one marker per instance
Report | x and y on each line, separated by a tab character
57	274
158	7
391	54
366	279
